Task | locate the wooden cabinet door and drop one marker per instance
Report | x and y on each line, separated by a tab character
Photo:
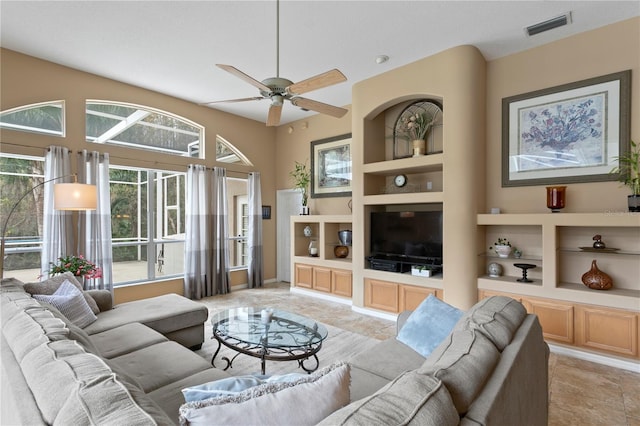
322	279
556	318
606	329
304	276
411	296
381	295
341	282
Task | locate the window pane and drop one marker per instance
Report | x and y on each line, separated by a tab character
18	176
129	263
47	118
139	127
227	153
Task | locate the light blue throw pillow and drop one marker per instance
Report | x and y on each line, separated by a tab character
428	325
234	385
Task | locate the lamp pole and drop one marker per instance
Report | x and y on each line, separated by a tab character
6	223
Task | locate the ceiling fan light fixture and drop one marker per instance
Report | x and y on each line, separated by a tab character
549	24
277	100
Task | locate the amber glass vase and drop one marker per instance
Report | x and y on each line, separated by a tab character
556	198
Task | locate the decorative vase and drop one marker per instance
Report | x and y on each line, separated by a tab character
313	248
418	147
596	279
494	269
307	231
555	198
341	251
305	211
634	203
502	251
344	237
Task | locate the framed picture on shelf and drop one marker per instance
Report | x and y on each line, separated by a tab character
331	167
566	134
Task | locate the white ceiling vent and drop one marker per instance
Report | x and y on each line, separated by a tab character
550	24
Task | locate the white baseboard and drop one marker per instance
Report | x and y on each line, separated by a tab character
323	296
597	358
371	313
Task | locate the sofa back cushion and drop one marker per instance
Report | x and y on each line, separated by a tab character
464	361
70	301
410	399
497	317
51	284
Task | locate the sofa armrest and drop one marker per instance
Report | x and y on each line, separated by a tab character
103	299
401	320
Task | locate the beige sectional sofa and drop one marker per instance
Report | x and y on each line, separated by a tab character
491	370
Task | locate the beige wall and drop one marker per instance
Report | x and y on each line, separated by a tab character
26	80
602	51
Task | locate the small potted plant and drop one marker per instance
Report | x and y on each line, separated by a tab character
301	178
629	174
502	247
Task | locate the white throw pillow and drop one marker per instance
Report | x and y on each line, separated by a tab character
71	303
305	401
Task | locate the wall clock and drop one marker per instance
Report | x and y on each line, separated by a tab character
400	181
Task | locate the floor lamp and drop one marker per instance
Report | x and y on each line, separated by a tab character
66	196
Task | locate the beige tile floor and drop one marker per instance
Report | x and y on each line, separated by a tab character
581	392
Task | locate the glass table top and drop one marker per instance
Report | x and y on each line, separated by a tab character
280	329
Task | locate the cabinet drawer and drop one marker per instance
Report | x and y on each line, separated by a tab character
381	295
556	318
304	276
607	329
322	279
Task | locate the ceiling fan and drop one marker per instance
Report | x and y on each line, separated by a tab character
278	89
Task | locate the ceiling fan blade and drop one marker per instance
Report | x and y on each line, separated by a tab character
319	81
274	115
252	81
320	107
255	98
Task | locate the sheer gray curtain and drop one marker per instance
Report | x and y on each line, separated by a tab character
255	265
94	235
206	233
57	227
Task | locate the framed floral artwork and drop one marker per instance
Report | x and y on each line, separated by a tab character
566	134
331	167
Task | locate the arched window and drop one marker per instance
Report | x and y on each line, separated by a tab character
227	153
136	126
44	117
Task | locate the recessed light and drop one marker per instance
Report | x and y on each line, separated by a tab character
381	59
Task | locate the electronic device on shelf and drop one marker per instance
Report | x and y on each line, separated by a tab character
411	237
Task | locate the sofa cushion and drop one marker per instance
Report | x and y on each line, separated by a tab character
23	334
169	396
364	383
392	357
75	333
125	339
497	317
303	402
166	313
428	325
464	362
70	302
410	399
51	284
160	364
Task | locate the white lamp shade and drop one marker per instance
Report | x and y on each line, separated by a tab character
74	196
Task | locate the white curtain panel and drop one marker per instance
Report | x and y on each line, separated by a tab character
255	266
57	227
206	233
94	235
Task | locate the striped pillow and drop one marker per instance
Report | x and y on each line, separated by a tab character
71	303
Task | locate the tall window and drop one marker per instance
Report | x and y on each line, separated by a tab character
18	174
147	222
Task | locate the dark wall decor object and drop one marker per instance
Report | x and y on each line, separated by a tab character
566	134
266	212
596	279
331	167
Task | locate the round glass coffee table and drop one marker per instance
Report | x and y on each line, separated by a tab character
267	334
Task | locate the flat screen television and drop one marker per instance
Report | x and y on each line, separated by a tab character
411	236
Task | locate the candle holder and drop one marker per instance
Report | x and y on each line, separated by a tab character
555	198
524	267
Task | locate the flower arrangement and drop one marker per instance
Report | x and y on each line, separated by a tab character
77	265
416	126
501	242
502	247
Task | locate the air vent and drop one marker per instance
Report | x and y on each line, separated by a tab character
550	24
